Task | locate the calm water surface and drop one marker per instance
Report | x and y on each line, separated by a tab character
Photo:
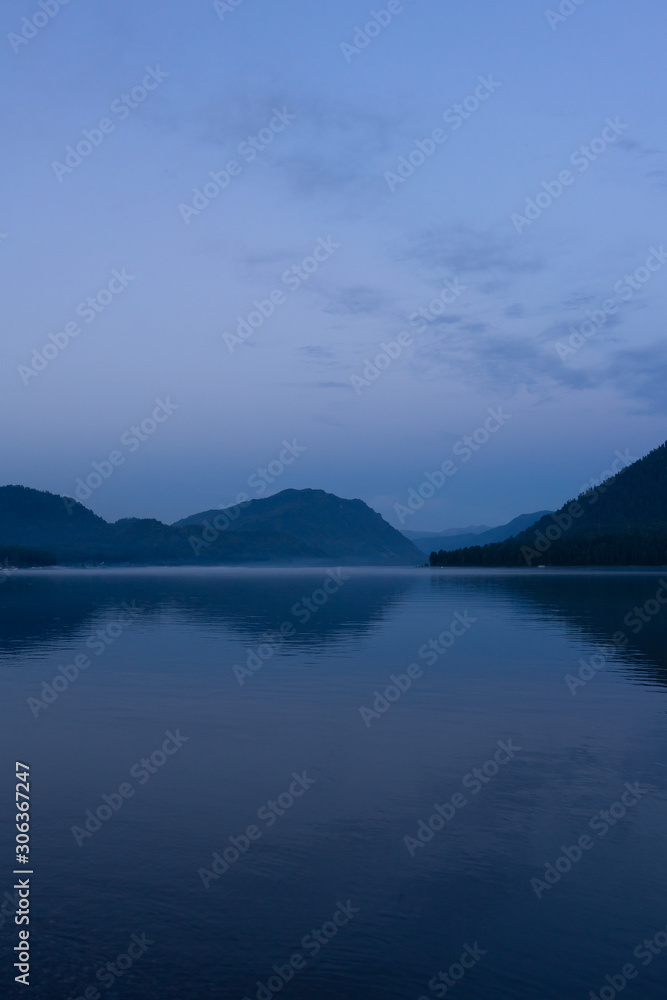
366	782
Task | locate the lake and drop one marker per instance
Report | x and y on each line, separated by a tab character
338	784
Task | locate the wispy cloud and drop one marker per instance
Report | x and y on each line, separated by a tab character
464	250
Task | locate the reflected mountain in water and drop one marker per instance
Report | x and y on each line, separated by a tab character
40	608
600	608
43	608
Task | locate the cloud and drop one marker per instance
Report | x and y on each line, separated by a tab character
636	147
562	329
503	362
316	351
659	177
463	250
516	311
474	327
331	146
641	374
321	385
341	148
357	299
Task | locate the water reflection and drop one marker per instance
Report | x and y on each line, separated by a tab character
43	609
615	611
344	839
40	609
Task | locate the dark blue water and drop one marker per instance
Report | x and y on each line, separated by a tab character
329	882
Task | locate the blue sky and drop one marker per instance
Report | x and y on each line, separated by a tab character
331	127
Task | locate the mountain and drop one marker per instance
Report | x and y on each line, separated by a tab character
41	520
620	522
472	529
429	543
343	530
304	526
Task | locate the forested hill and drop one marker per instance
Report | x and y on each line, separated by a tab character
308	527
620	522
344	529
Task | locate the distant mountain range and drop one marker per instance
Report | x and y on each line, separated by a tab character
448	540
620	522
472	529
295	526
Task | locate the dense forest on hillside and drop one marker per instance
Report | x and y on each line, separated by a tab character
621	521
